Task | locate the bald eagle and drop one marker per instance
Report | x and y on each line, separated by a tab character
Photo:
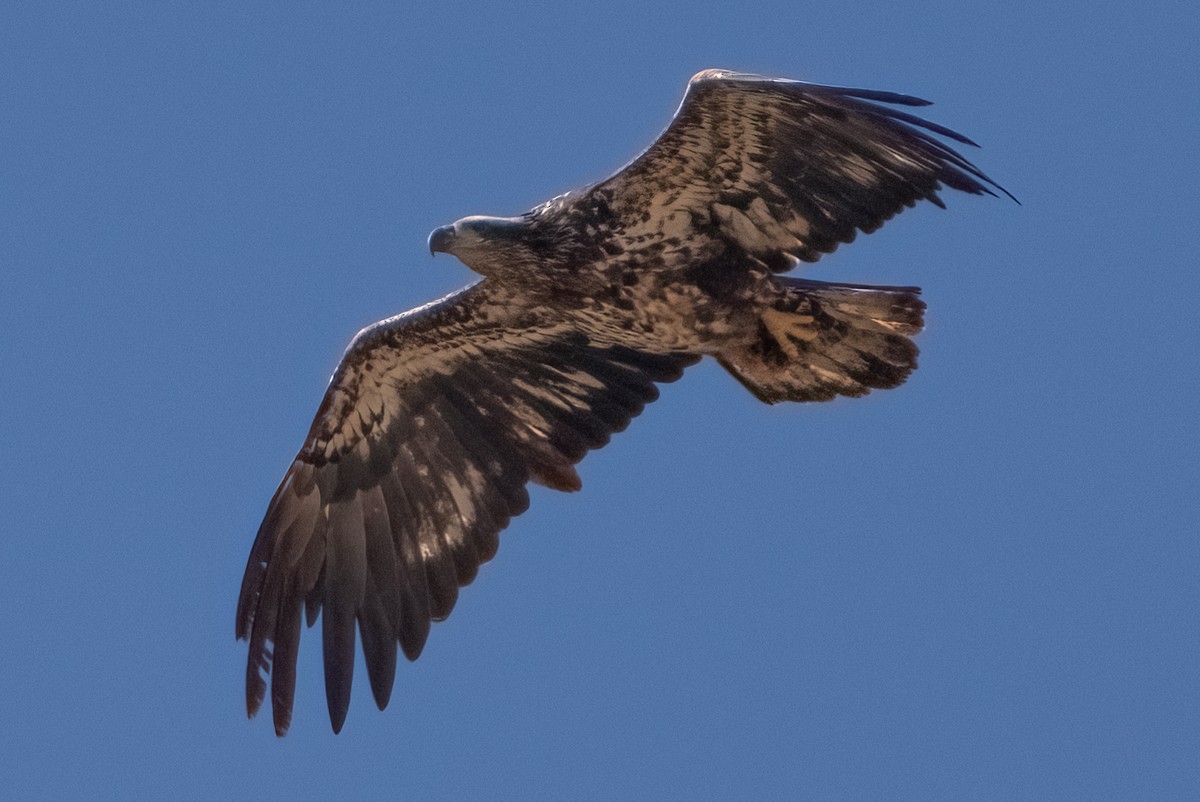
436	419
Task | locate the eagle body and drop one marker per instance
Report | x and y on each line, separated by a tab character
436	419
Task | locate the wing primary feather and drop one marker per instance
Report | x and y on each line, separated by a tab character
876	95
313	601
915	121
296	482
345	578
280	551
259	659
378	620
942	150
283	671
297	582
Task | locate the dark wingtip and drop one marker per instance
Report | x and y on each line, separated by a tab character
256	686
337	718
876	95
1007	194
382	697
412	640
337	697
879	96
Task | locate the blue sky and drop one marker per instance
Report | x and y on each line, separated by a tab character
981	585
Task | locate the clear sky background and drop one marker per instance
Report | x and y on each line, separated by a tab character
982	585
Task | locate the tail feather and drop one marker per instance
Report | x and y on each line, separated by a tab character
820	340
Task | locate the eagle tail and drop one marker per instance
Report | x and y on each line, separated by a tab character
818	340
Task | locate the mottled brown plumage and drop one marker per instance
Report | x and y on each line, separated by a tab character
437	419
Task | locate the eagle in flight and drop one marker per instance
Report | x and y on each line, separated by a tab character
436	419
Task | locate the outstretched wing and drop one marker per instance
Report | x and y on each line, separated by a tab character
782	170
419	455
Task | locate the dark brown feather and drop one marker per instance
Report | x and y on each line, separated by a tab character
782	170
410	473
436	420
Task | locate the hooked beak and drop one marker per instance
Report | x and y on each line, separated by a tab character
441	239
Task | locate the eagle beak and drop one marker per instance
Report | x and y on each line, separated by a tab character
441	239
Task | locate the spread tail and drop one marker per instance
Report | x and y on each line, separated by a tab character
819	340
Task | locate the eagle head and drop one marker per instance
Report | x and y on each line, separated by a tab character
487	245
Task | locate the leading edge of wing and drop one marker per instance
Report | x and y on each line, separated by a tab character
864	101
